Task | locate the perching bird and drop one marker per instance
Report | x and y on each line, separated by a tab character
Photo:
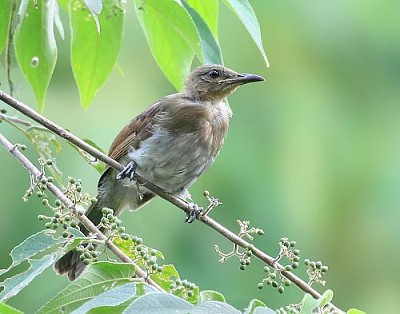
171	144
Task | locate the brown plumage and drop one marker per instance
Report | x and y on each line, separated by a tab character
171	144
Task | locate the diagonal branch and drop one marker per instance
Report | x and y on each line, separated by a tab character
185	206
13	149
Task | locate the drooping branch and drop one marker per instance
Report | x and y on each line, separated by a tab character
185	206
33	170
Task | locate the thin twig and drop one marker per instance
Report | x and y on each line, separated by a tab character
34	171
185	206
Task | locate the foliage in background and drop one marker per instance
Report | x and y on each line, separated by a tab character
176	32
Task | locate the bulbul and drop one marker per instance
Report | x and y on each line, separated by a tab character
171	144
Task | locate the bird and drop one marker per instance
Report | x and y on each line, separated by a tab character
171	144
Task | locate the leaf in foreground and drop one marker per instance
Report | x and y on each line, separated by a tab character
35	45
15	284
245	13
172	37
96	279
32	245
94	53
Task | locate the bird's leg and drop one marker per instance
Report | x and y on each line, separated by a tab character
194	213
128	172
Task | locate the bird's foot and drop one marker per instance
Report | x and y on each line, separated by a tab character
195	212
128	172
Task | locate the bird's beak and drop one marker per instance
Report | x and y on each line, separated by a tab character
245	78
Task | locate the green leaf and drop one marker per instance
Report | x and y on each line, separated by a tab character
166	277
35	45
211	51
97	278
94	162
159	302
6	309
31	246
309	303
94	54
120	297
209	295
5	22
15	284
172	37
355	311
214	307
245	12
208	10
257	307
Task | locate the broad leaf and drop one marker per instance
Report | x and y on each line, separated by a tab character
309	303
6	309
93	53
245	12
119	297
96	279
5	21
214	307
159	302
31	246
35	45
15	284
172	37
209	295
208	10
166	277
258	307
211	51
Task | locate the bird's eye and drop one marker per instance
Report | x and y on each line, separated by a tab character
214	73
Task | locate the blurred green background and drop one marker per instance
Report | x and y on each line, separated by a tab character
312	154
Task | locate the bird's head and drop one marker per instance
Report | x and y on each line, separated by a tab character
214	82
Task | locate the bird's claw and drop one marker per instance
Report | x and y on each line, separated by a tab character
128	172
194	213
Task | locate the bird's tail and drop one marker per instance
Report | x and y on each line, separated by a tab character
71	264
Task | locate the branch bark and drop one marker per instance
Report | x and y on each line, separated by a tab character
183	205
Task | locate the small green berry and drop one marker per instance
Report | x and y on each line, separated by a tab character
295	264
49	162
48	225
324	269
40	217
306	262
65	234
242	267
292	243
260	285
275	284
39	194
190	294
266	269
86	261
318	264
288	268
50	179
281	289
296	252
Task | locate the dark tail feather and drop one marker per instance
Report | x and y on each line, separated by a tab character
70	264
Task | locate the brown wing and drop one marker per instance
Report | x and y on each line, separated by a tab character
136	131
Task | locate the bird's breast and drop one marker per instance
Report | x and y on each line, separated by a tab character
181	149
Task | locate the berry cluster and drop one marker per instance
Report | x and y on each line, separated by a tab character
183	288
288	251
245	259
111	222
275	279
315	271
89	254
